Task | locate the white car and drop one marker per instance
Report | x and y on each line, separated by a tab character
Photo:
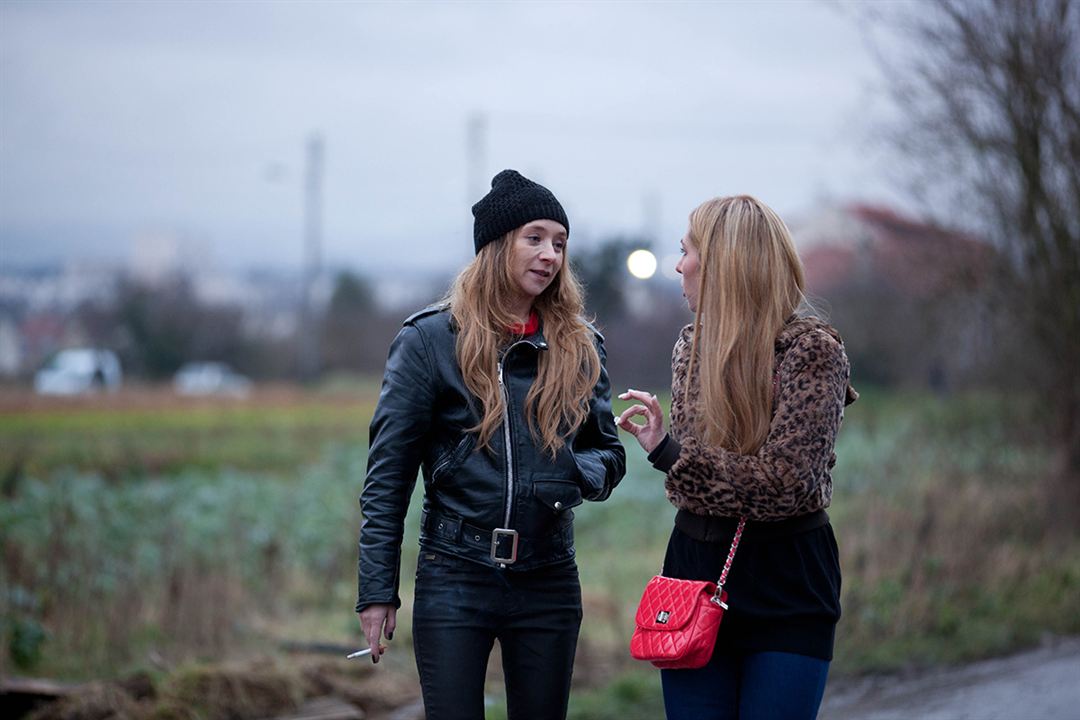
77	371
210	378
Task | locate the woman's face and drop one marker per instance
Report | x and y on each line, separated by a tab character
688	270
537	256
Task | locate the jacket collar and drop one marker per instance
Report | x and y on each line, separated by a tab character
536	339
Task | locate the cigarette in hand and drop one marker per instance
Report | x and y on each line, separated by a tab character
365	651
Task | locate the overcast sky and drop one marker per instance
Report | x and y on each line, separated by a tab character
119	119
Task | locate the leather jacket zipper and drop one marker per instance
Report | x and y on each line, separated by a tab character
508	445
508	440
441	466
451	457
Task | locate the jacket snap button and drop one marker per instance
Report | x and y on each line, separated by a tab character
558	505
441	526
476	538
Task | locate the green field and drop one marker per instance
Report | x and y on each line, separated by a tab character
145	434
151	537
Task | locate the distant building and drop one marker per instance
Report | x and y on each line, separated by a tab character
906	294
869	243
59	288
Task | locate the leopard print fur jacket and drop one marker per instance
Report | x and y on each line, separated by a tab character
790	474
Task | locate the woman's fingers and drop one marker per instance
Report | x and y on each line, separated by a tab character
649	402
641	396
372	637
373	619
649	432
373	643
391	624
624	421
636	394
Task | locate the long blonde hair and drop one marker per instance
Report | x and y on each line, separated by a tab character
750	280
558	401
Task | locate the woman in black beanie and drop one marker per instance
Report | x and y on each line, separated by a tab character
499	395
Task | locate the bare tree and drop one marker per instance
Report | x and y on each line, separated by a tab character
990	114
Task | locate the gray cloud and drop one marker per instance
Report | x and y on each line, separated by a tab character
118	116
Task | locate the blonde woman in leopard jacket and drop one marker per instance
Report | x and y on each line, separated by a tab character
758	394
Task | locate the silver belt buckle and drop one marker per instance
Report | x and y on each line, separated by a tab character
499	537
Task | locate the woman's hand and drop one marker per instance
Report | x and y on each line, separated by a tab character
652	432
373	619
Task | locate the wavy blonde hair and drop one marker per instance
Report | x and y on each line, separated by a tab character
750	281
558	401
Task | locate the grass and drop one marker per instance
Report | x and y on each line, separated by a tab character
951	543
147	433
181	566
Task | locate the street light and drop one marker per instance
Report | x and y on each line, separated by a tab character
642	264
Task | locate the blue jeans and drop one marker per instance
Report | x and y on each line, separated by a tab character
747	686
461	609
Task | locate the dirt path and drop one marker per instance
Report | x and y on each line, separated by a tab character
1042	684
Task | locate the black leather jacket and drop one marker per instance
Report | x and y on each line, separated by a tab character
509	506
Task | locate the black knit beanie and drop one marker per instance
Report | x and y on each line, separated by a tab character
513	201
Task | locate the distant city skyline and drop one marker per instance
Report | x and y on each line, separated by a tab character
121	121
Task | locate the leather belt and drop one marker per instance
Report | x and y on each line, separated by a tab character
502	546
708	528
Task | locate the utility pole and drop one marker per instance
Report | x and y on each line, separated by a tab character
310	355
650	215
476	151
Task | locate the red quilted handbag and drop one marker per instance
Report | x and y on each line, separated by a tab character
677	620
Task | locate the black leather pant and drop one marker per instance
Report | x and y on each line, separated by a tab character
461	608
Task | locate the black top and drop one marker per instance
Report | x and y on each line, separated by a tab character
784	583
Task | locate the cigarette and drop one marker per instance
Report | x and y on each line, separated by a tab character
358	653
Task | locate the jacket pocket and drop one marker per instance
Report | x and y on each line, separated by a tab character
557	495
451	461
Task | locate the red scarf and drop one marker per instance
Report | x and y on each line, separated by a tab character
527	328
